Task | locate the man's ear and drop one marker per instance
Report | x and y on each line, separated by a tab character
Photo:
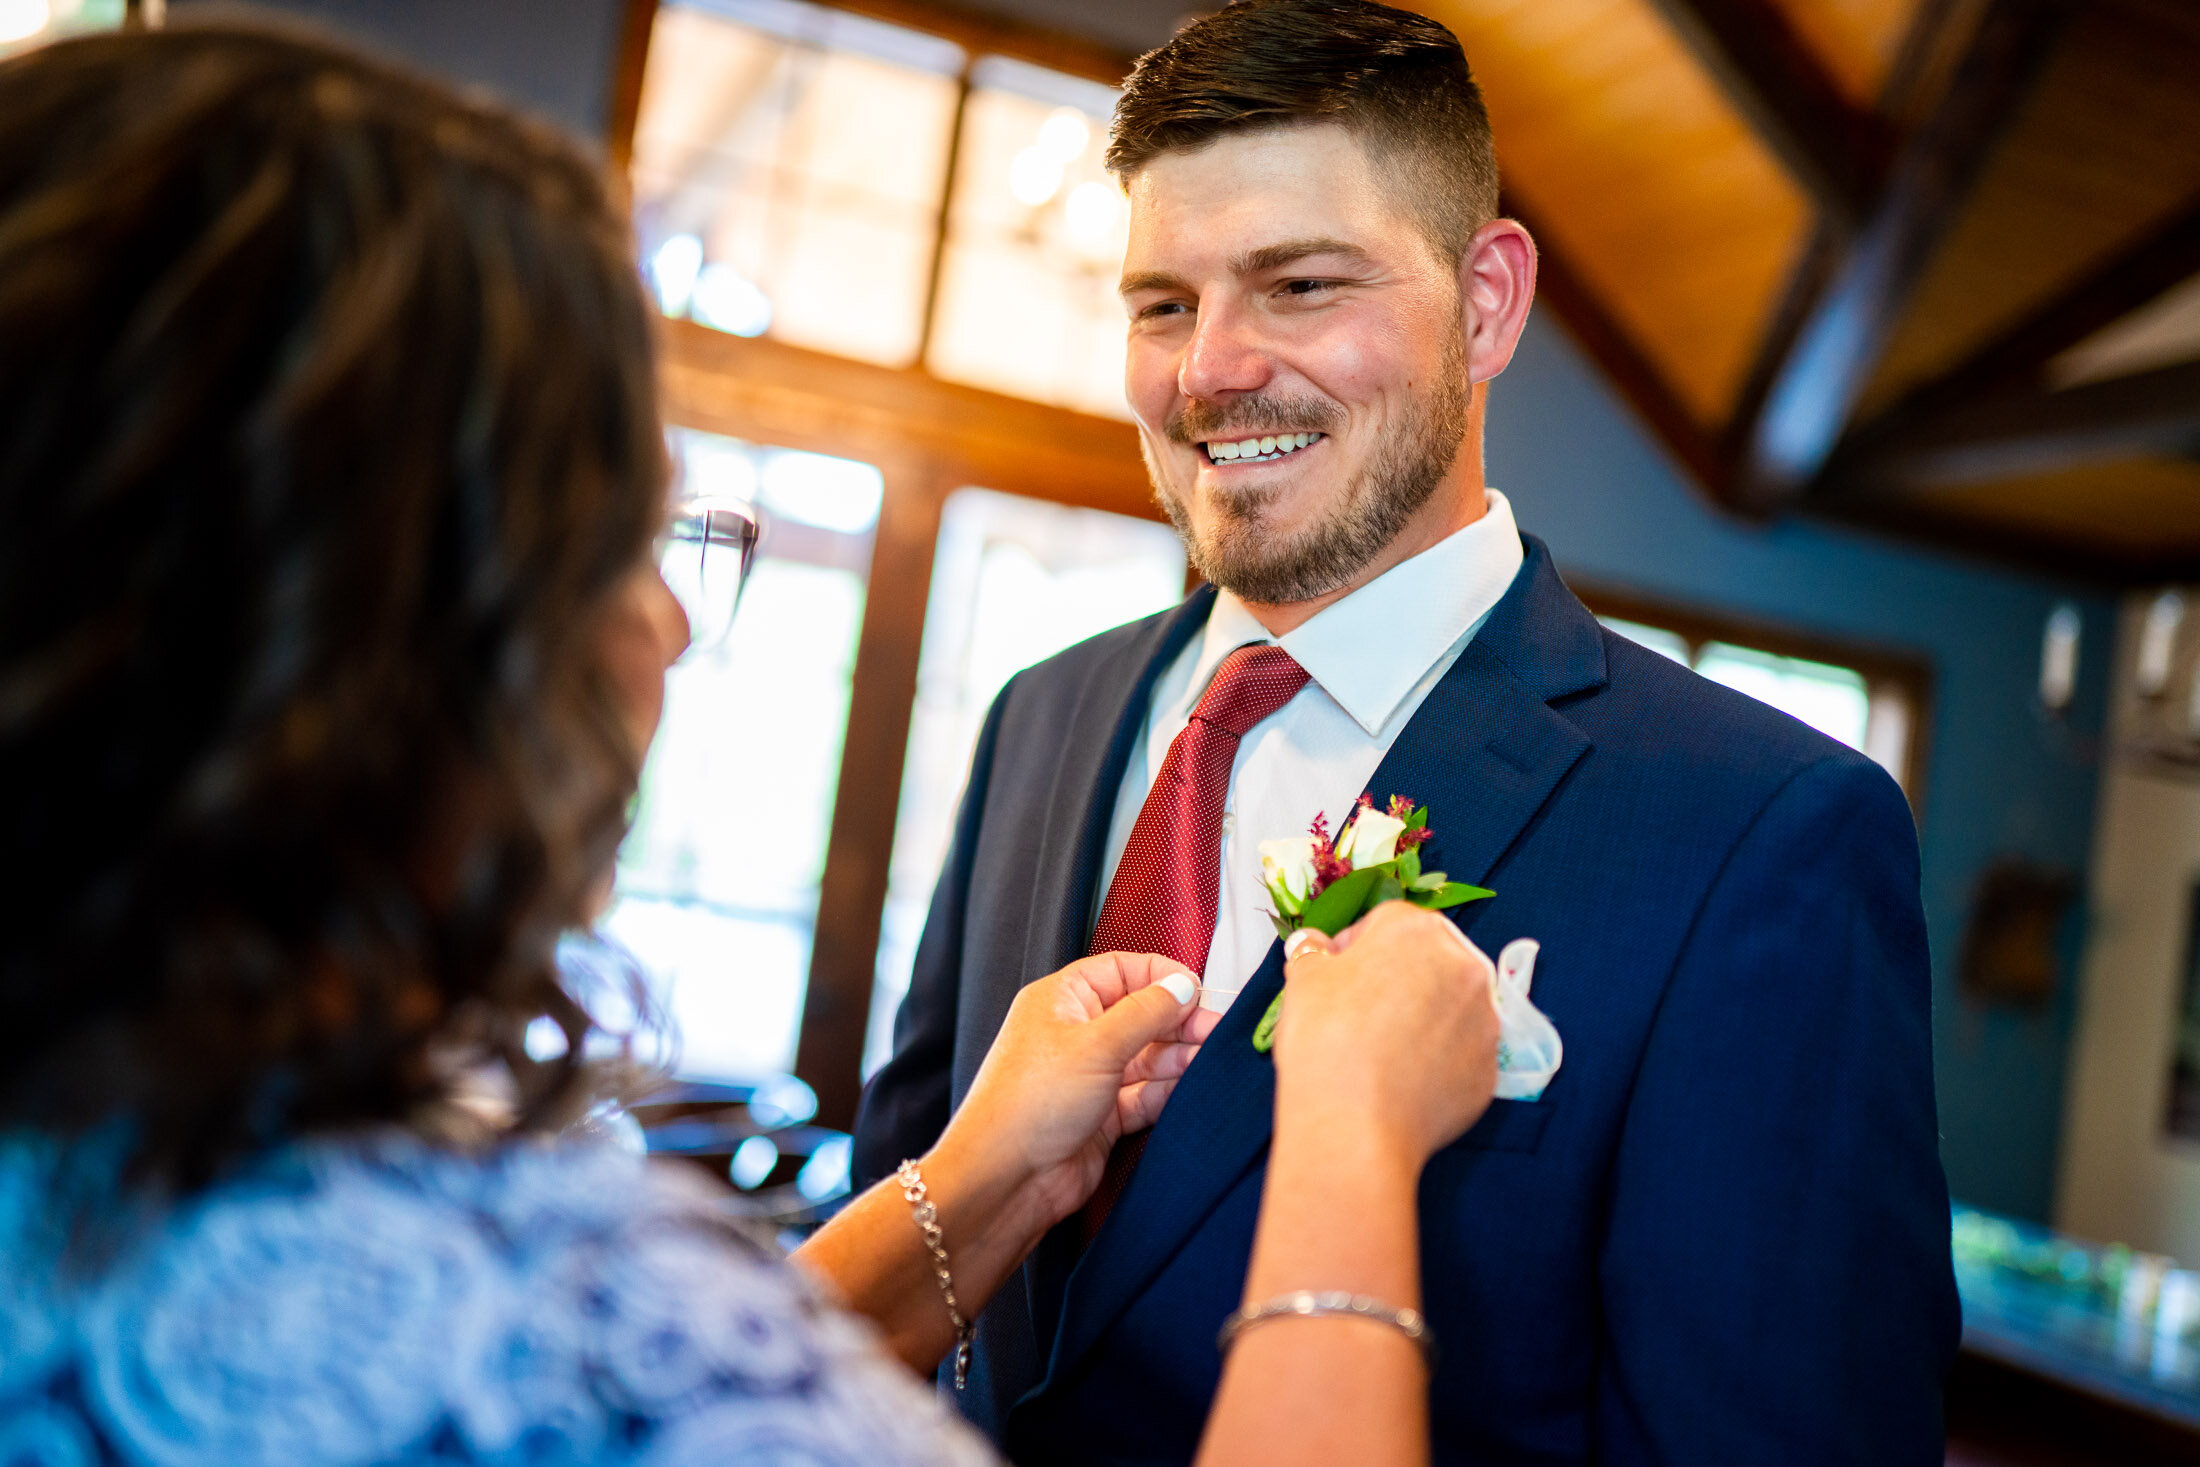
1496	287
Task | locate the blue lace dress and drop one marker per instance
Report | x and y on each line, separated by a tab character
388	1302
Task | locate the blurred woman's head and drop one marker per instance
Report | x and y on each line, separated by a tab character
329	469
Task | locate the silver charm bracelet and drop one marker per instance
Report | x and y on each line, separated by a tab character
935	1242
1306	1304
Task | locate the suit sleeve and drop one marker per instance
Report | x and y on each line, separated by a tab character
1775	1271
905	1105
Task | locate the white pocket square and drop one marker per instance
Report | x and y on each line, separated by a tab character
1529	1050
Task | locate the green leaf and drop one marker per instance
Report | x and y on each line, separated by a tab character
1264	1034
1341	903
1428	881
1284	925
1418	818
1386	890
1409	867
1452	893
1287	904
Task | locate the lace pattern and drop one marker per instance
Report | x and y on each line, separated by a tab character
387	1302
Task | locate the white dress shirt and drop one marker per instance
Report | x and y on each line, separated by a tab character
1370	659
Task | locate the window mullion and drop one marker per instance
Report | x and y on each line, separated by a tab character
950	176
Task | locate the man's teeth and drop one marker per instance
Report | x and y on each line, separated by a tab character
1267	446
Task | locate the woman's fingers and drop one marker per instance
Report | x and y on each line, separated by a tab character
1112	977
1304	948
1138	1106
1164	1060
1142	1016
1342	942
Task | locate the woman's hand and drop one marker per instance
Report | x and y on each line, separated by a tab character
1086	1056
1388	1030
1386	1050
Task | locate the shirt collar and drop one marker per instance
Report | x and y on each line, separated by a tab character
1370	650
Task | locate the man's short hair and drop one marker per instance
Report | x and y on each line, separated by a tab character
1396	81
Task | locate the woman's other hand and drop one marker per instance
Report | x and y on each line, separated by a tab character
1389	1029
1086	1056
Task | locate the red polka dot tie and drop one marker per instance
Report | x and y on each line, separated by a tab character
1166	887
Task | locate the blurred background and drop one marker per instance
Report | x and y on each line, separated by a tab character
1865	377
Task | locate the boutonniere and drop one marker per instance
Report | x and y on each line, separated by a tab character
1329	884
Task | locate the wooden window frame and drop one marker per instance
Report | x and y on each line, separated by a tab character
1882	667
928	437
978	35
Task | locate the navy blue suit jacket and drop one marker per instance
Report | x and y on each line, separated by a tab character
1721	1236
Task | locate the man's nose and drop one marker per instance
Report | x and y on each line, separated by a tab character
1225	355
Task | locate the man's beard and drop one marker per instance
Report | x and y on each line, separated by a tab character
1260	566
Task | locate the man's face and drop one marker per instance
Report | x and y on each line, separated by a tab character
1296	360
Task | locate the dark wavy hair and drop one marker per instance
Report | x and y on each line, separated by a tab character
328	431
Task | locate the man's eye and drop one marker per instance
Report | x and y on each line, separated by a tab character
1161	308
1308	287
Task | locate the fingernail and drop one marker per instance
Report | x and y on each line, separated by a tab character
1181	988
1297	941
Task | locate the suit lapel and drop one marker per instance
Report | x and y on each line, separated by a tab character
1484	752
1096	748
1070	765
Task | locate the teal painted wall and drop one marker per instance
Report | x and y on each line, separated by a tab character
1583	473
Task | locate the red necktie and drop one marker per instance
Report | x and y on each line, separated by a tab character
1166	886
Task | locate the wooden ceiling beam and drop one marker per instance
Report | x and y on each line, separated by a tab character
2014	358
1808	278
1815	387
2024	433
1914	522
1835	149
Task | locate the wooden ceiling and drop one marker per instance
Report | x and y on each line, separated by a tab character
1931	266
1591	100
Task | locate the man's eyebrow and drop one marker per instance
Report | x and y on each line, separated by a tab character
1291	251
1252	262
1150	280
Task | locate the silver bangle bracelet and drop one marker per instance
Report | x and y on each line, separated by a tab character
914	1192
1306	1304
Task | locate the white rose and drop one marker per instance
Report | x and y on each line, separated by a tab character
1289	863
1374	837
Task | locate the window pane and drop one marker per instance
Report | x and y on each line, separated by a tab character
1657	639
788	167
1036	233
1831	699
28	23
1014	581
1887	733
718	881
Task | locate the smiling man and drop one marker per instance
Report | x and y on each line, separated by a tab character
1721	1233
